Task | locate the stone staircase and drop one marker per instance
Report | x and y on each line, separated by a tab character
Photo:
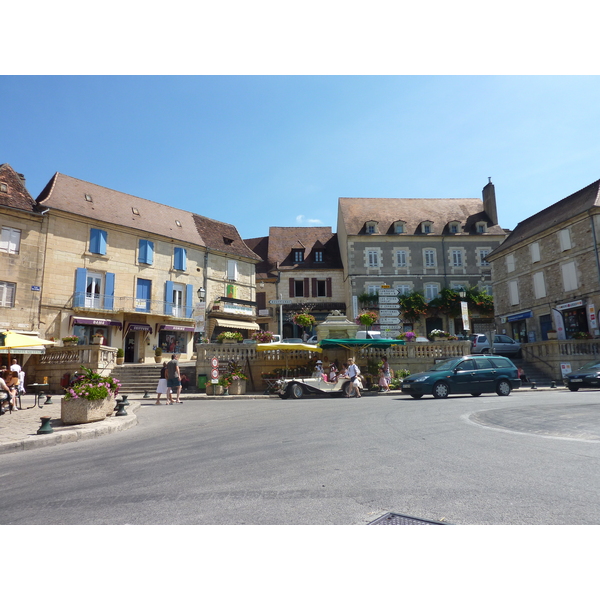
535	375
140	378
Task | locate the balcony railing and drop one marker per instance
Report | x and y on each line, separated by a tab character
101	302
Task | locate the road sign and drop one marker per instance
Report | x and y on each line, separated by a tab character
214	374
389	313
388	299
388	292
280	302
214	362
389	320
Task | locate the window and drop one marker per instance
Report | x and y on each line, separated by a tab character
143	295
180	259
539	285
178	298
98	241
535	252
510	262
94	290
3	188
7	294
373	290
232	270
371	227
429	258
372	258
457	258
318	255
299	288
564	237
321	288
454	227
426	227
487	289
481	227
401	259
431	291
403	288
10	240
483	252
298	256
399	227
146	252
88	198
513	292
569	274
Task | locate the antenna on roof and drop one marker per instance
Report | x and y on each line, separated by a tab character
489	180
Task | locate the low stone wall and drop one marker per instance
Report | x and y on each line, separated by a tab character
548	356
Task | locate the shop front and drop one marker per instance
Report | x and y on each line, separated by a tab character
571	318
174	339
518	326
136	337
85	328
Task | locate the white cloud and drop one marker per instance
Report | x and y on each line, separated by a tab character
302	220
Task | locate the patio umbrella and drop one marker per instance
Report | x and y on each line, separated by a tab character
10	340
286	348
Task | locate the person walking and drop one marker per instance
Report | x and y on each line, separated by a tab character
162	388
387	376
174	379
354	373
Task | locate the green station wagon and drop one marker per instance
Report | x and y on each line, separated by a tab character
473	375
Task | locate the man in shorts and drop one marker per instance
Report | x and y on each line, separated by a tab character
174	379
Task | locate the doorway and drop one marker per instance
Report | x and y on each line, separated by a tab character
130	349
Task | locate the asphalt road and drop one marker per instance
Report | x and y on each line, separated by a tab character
529	458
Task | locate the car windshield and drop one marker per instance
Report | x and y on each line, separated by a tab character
595	364
447	365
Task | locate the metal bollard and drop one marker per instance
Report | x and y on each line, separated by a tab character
553	384
124	396
48	400
146	394
45	427
533	386
121	412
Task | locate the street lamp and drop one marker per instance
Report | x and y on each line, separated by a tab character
201	294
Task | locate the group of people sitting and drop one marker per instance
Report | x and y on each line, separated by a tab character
330	374
12	381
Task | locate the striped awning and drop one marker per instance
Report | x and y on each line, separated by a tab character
231	324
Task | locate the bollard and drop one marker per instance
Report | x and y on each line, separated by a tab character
553	384
146	394
121	412
124	396
533	386
48	400
45	427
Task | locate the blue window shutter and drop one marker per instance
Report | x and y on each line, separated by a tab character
98	241
109	291
143	292
80	281
180	259
189	300
168	298
146	252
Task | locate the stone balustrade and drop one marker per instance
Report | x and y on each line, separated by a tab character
550	354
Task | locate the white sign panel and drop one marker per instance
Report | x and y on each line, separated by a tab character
388	299
389	313
280	302
389	321
565	368
388	292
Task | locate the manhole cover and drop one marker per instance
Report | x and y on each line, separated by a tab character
397	519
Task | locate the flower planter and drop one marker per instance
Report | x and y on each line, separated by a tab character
228	341
97	340
120	360
78	410
214	390
158	359
70	343
238	387
552	335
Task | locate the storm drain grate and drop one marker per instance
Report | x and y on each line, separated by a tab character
397	519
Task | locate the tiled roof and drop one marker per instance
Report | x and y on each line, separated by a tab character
355	212
16	195
103	204
553	215
260	246
277	250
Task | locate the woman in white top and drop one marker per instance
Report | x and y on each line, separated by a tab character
353	373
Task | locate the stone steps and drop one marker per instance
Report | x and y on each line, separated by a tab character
137	379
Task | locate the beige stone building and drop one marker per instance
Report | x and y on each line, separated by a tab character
21	257
300	266
136	272
546	273
417	244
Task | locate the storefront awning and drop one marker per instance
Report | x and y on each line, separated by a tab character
96	322
175	328
230	324
138	327
30	350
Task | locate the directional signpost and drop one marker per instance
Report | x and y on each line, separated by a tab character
280	302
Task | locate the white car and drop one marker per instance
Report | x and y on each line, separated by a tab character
312	340
297	387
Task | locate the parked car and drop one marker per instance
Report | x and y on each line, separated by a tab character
474	374
368	335
297	387
502	345
293	341
312	340
587	376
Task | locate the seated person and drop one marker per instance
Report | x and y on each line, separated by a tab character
333	373
6	393
185	381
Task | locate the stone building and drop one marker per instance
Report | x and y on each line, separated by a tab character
418	244
22	245
300	266
546	273
136	272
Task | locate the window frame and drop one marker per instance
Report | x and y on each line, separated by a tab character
9	239
5	287
429	252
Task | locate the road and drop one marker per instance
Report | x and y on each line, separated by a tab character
529	458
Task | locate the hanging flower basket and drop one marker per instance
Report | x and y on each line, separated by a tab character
367	318
304	320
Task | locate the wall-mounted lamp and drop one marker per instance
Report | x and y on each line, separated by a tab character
201	294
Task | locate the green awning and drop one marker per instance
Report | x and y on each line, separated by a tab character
354	343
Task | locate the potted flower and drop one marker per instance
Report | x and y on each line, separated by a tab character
303	319
582	335
552	334
97	338
367	318
157	354
120	356
70	340
263	337
408	336
230	337
438	334
89	397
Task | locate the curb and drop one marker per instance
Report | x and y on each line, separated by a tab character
64	434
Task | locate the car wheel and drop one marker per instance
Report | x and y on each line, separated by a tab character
296	391
503	388
441	389
475	393
416	396
574	388
349	391
485	351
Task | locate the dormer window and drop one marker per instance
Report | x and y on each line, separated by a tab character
371	227
399	227
298	256
178	223
135	211
227	241
3	188
88	198
318	255
426	227
454	227
481	227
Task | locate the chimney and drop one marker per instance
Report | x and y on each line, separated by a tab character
489	202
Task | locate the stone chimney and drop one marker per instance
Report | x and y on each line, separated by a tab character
489	202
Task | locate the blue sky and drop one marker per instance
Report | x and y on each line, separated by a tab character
257	151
